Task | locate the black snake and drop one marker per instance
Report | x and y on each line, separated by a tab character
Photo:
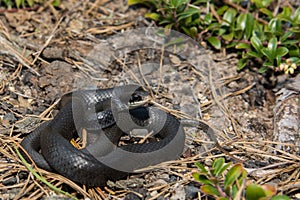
105	114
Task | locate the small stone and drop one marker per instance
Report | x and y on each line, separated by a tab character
54	53
132	196
10	181
164	176
173	178
160	182
191	192
297	196
179	193
153	193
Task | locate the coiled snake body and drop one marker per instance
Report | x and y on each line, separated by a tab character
99	111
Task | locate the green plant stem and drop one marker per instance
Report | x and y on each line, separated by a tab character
223	194
40	177
176	21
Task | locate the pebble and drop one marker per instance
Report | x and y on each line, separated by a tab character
191	192
10	181
179	193
132	196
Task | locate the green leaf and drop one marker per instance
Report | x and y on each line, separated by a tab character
186	30
177	3
228	37
222	9
213	26
154	16
249	25
169	26
256	43
294	59
223	198
288	42
132	2
222	31
254	192
197	22
226	166
268	53
201	167
210	190
167	21
285	36
268	64
208	18
263	69
55	3
191	11
241	21
196	176
202	178
274	26
8	3
18	3
245	22
217	166
215	42
296	16
181	8
242	178
234	191
266	12
262	3
231	45
254	54
242	46
280	197
281	51
285	14
229	16
239	34
233	174
187	21
272	45
278	60
200	1
259	30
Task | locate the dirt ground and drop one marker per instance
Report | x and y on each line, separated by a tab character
47	51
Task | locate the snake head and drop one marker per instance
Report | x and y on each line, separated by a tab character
138	98
128	97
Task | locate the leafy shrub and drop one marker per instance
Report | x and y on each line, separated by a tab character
17	3
224	182
251	28
9	4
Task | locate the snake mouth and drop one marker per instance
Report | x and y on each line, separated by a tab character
138	98
138	101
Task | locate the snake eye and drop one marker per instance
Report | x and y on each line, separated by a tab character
138	98
135	98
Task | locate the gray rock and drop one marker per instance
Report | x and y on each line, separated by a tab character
191	192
